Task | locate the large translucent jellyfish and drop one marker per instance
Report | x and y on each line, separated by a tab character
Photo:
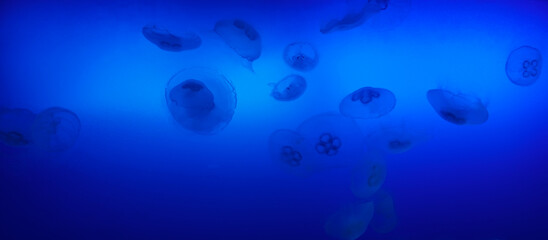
368	102
55	129
242	38
201	100
395	138
459	109
165	40
387	14
385	218
15	127
367	178
524	65
331	141
286	149
289	88
349	222
301	56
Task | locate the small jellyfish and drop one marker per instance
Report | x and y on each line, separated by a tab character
524	65
285	147
242	38
385	218
367	178
201	100
368	103
289	88
15	127
55	129
458	109
167	41
385	14
395	138
331	141
301	56
349	222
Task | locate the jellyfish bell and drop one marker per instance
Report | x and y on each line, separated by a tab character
385	219
349	222
243	38
289	88
331	141
524	65
55	129
367	178
459	109
167	41
396	137
286	150
15	127
367	103
301	56
201	100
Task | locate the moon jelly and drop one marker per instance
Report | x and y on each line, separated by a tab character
289	88
55	129
301	56
167	41
242	38
395	139
349	222
384	14
368	102
331	141
15	127
458	109
367	178
524	65
385	218
285	147
201	100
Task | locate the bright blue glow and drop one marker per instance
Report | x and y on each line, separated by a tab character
134	172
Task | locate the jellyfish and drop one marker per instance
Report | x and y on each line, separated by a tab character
385	218
331	141
368	103
55	129
242	38
301	56
289	88
349	222
395	138
15	127
367	178
285	147
167	41
387	14
201	100
459	109
524	65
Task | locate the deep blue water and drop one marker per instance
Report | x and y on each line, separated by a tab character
134	173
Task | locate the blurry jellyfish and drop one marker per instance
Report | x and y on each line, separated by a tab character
395	138
349	222
289	88
331	141
285	147
55	129
15	127
201	100
167	41
367	178
385	13
458	109
301	56
242	38
368	102
524	65
385	218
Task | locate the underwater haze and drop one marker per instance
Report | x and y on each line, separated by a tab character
302	119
